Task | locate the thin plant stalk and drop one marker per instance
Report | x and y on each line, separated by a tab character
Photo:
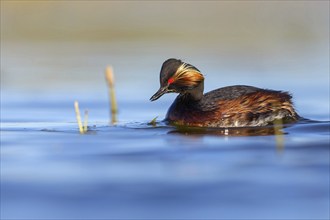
112	95
86	121
76	107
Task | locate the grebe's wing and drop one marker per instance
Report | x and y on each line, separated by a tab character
231	92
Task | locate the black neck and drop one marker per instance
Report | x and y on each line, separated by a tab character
196	93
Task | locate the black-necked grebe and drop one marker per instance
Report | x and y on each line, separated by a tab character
232	106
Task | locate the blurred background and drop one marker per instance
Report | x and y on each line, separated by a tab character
56	50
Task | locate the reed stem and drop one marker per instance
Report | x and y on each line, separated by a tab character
112	96
86	121
76	107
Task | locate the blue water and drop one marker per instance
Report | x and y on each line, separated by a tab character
137	170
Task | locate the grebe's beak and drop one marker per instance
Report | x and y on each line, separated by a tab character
159	93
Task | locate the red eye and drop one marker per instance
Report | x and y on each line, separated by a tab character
170	80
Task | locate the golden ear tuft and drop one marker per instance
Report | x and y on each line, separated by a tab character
187	75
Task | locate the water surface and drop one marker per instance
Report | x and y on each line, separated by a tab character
136	170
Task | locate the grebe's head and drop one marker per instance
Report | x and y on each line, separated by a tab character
177	76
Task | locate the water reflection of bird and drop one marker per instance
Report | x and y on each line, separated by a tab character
232	106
